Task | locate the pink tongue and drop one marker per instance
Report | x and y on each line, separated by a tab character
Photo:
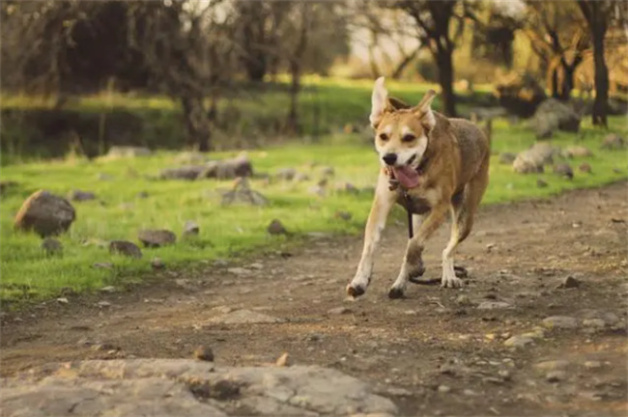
407	176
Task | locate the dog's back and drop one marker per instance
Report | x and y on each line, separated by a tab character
474	147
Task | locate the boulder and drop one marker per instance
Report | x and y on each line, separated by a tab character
45	213
534	159
553	115
128	151
124	248
187	387
154	238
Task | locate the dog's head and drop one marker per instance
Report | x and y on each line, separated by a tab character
401	131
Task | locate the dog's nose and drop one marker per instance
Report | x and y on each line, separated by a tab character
390	158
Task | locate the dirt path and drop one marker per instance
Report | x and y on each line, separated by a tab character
435	352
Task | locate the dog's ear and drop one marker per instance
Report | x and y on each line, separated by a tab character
379	102
424	110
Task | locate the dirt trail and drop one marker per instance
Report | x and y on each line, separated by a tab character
435	352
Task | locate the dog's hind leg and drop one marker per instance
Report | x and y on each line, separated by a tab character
418	268
463	212
414	250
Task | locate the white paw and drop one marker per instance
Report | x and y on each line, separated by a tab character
451	281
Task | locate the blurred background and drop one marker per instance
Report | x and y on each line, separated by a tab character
83	76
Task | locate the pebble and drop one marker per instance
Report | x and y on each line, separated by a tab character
108	289
103	304
239	271
519	341
570	282
444	389
593	364
597	323
157	264
339	311
62	300
204	353
555	376
560	322
493	305
552	365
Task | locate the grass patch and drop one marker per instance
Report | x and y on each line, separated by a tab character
119	212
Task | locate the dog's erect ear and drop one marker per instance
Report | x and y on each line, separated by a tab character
424	110
379	102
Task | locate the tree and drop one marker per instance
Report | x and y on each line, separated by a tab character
558	35
600	14
434	21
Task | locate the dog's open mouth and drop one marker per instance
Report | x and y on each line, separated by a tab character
406	175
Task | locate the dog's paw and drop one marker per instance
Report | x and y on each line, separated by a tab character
395	293
451	282
355	290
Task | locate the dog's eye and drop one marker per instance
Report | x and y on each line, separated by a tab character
383	137
408	138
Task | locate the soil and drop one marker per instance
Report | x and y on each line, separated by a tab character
437	351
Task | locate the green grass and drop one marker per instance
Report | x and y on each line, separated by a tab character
27	274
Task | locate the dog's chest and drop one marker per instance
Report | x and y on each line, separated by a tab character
413	204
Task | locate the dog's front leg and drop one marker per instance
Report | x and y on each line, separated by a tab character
382	203
415	247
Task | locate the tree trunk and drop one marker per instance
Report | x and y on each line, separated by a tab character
196	123
554	82
600	105
446	81
292	123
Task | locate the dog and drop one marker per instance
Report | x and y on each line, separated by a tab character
432	165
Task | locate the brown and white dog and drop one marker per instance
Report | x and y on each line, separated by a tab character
431	165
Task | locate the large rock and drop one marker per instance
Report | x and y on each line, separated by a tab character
186	387
534	159
45	213
239	166
152	238
553	115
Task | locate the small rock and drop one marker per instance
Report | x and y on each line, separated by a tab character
62	300
191	228
563	170
103	265
122	247
507	158
490	247
344	215
156	238
244	317
519	341
595	323
463	300
239	271
51	246
282	360
555	376
328	171
78	195
204	353
593	365
585	167
108	289
570	282
577	152
540	183
257	266
339	311
157	264
103	304
493	305
504	374
351	189
444	389
276	228
552	365
286	174
560	322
